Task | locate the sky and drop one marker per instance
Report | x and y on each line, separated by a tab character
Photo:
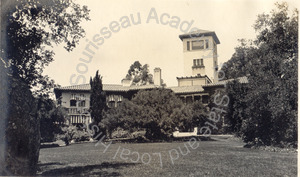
151	42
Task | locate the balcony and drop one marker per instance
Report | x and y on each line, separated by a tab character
198	66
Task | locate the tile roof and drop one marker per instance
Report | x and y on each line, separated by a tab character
177	90
107	87
197	34
120	88
187	89
191	77
76	87
243	80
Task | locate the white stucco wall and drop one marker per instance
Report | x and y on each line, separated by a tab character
208	55
191	82
66	97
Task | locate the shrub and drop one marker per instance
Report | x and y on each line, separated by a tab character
81	135
157	111
71	132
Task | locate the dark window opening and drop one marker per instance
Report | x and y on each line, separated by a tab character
111	104
72	102
82	103
198	62
119	103
188	45
205	99
206	43
197	98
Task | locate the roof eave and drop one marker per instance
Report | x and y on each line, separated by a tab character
213	34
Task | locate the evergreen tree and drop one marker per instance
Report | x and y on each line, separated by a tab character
98	98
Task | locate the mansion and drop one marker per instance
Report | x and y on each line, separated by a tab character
198	83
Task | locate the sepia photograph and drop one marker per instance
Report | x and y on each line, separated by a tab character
181	88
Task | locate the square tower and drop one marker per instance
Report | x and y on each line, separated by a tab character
200	54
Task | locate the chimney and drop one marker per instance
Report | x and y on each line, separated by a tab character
157	76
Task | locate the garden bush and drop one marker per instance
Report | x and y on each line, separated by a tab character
156	111
72	132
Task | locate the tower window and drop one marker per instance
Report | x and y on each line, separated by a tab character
206	43
215	49
199	44
216	66
188	45
198	62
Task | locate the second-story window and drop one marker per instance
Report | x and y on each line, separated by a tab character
81	97
73	96
188	45
81	103
72	102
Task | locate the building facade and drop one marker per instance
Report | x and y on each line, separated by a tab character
200	80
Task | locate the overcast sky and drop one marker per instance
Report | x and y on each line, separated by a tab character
155	44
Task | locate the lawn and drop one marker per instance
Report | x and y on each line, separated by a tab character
223	157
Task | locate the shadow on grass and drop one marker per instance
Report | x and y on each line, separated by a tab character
51	163
48	146
98	170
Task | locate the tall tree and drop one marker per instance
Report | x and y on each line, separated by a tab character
271	96
240	62
98	98
139	74
32	28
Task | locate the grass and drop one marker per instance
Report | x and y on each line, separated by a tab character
224	157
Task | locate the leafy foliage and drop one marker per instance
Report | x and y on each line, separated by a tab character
52	119
219	107
266	111
71	132
235	110
33	29
139	74
159	111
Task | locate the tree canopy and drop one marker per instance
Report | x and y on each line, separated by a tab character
269	103
139	74
34	27
158	111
